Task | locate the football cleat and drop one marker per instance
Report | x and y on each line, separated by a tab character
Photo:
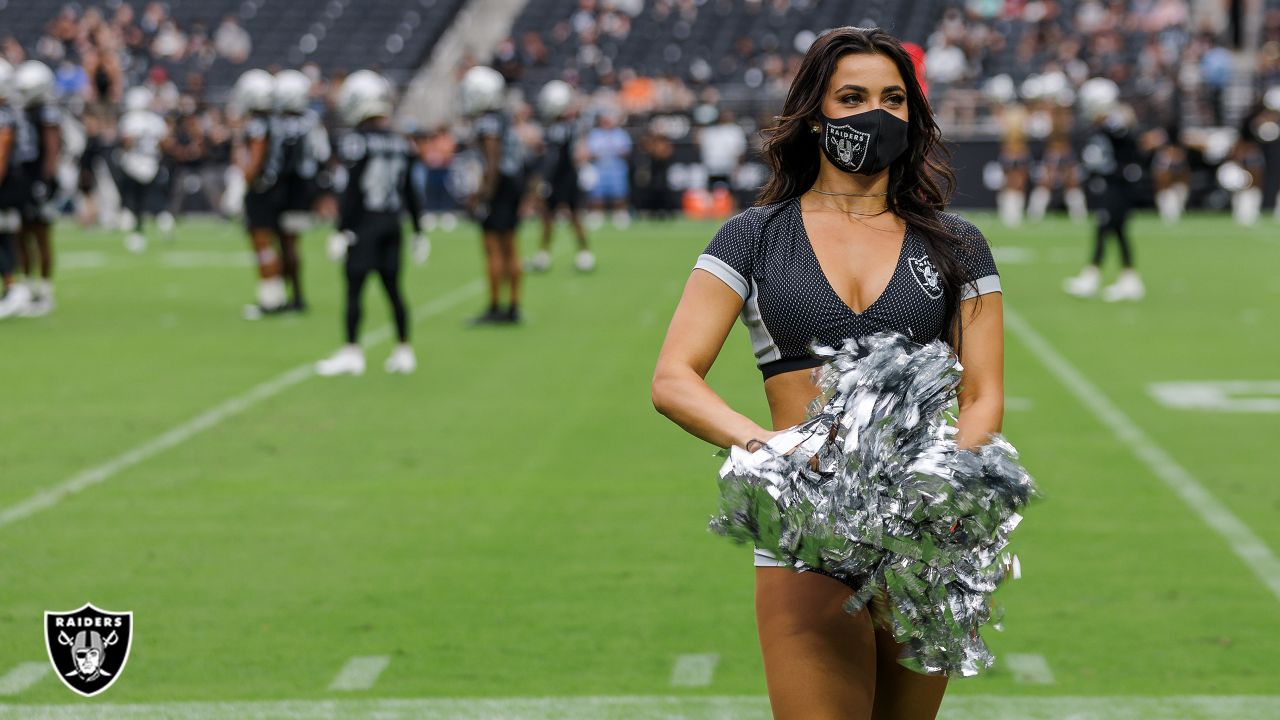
1127	287
1083	285
349	360
540	262
15	301
584	261
401	360
492	316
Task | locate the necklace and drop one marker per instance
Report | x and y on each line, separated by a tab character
857	216
824	192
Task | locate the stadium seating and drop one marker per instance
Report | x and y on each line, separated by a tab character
673	45
336	34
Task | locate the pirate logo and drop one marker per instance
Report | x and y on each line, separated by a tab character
88	647
849	146
927	276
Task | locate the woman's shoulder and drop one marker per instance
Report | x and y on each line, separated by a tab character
961	227
753	219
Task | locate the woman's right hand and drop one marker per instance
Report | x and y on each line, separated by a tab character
761	435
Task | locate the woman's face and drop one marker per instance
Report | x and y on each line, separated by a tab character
862	82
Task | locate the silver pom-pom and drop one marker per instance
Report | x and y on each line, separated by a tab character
873	490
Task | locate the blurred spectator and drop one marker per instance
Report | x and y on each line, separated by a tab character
232	41
722	146
1216	70
608	147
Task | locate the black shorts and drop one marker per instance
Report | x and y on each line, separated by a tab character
262	209
503	213
38	208
299	194
14	191
563	191
377	244
139	197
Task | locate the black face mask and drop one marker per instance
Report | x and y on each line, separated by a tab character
865	143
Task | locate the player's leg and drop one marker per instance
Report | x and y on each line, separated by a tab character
402	359
1087	282
14	296
511	272
903	694
493	274
584	261
262	215
541	261
271	291
42	302
294	221
291	267
131	194
360	261
1128	286
819	661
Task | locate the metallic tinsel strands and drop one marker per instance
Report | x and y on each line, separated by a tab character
872	489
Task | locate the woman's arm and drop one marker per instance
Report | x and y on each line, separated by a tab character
697	331
982	355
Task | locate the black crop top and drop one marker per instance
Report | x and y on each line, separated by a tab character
764	254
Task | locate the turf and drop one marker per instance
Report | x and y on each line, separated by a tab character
516	520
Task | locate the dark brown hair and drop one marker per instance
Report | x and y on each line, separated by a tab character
920	180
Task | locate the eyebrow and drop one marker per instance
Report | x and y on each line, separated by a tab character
859	88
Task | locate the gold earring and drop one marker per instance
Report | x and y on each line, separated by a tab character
816	128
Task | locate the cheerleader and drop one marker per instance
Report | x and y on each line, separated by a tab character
1170	174
848	238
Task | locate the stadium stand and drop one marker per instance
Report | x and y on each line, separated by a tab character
336	35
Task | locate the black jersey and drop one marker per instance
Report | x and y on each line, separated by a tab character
12	187
12	121
296	147
39	118
1111	157
511	152
377	164
764	254
259	127
560	139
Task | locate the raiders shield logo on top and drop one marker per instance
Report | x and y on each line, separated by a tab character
927	276
88	647
848	144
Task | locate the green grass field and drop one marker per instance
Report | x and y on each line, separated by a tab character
519	534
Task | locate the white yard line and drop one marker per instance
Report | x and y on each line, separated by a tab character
1028	668
1248	546
694	670
360	673
181	433
954	707
23	676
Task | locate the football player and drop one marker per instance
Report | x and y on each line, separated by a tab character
377	193
39	144
560	189
142	131
253	93
303	146
496	203
1112	161
15	296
